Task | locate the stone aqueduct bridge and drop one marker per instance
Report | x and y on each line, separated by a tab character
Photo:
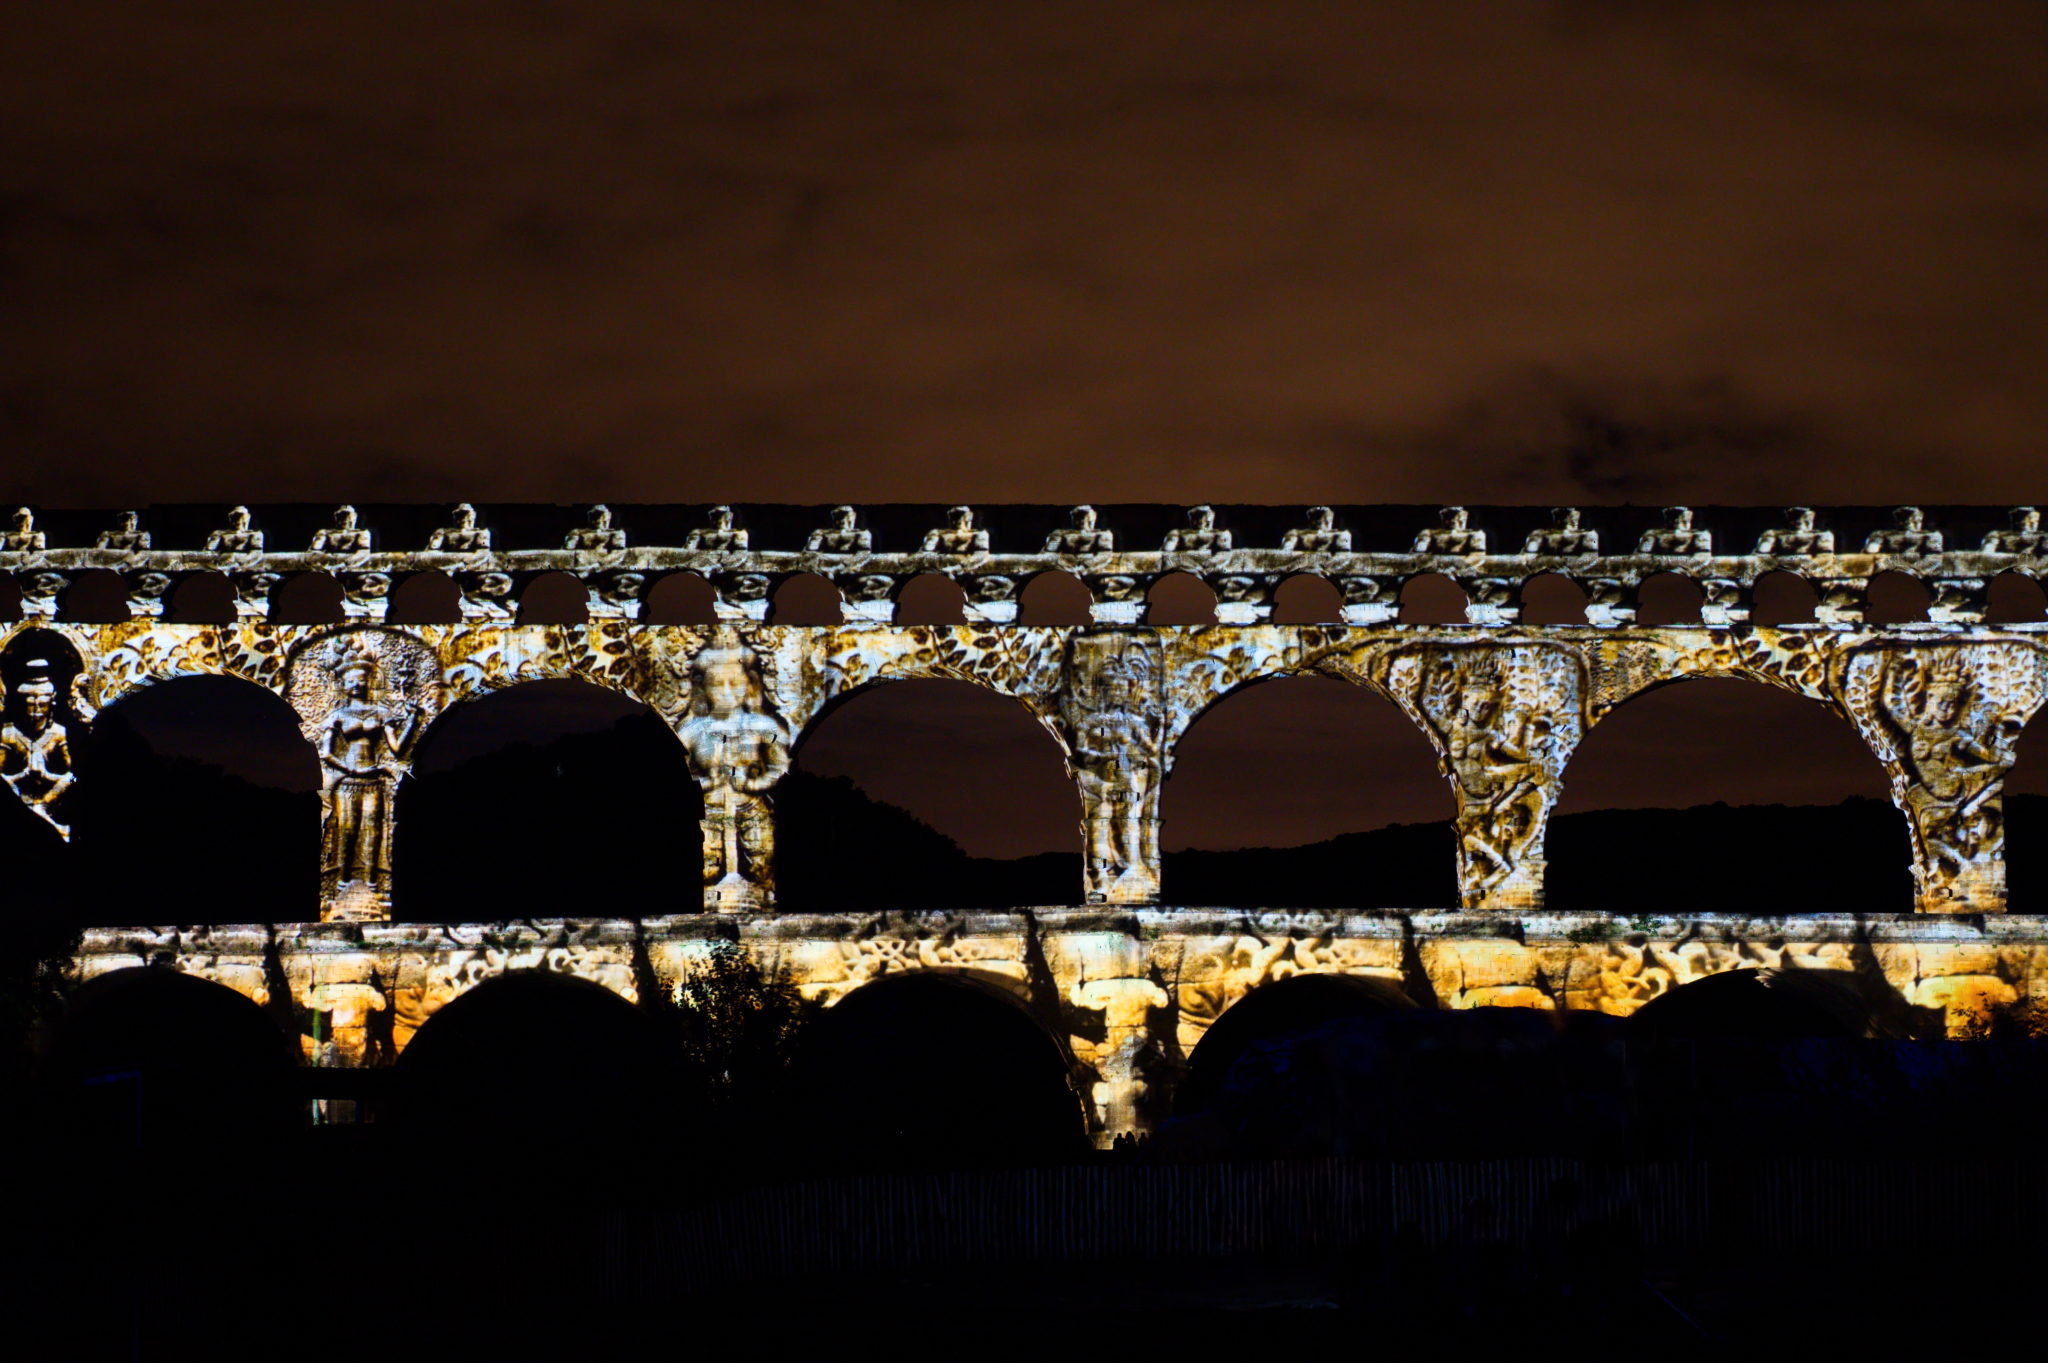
1126	984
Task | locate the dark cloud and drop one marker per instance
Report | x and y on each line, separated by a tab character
1289	251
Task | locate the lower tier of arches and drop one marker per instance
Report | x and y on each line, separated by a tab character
1123	1001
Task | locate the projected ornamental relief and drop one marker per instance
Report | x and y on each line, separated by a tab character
1133	982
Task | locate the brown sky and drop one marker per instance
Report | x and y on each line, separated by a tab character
1274	251
1174	251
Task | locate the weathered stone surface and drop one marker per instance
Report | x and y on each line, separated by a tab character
1135	986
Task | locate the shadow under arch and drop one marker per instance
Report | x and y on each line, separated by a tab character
1054	597
535	1061
806	599
1307	792
1273	1012
555	798
926	793
1895	598
1726	795
1669	599
1769	1005
934	1068
150	1057
208	786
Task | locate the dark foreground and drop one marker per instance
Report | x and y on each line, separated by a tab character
194	1257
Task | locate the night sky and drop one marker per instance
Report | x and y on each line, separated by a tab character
1527	252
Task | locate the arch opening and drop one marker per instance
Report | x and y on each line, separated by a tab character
927	793
806	599
548	799
1264	806
1054	597
1433	599
1783	598
1727	796
680	599
1180	598
1553	599
931	599
533	1061
308	599
1273	1013
425	598
1896	598
924	1068
210	782
96	596
554	598
1307	599
206	598
151	1057
1669	599
2013	598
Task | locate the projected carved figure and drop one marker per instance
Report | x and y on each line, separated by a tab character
719	535
1080	536
596	535
1199	535
35	746
1504	721
462	535
1676	535
740	749
842	536
1115	728
1319	536
362	698
1909	535
126	537
238	536
1454	535
1563	537
342	537
957	535
1799	536
1946	724
24	538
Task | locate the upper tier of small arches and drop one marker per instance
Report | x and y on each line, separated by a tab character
282	562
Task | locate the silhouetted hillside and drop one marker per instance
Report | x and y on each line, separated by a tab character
607	823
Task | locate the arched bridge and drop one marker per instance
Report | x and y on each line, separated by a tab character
1938	689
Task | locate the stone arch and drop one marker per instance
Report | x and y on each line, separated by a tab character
554	598
1553	599
930	599
924	782
153	1056
430	597
923	1067
1783	598
1054	597
2015	598
203	598
1271	1011
589	788
1669	599
210	780
96	596
806	599
308	599
1180	598
1433	599
538	1059
1708	849
1307	599
1895	598
1768	1004
1291	743
680	599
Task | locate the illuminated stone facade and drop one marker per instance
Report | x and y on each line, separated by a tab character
1132	983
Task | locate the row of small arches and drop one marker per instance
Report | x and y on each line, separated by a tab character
1048	598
